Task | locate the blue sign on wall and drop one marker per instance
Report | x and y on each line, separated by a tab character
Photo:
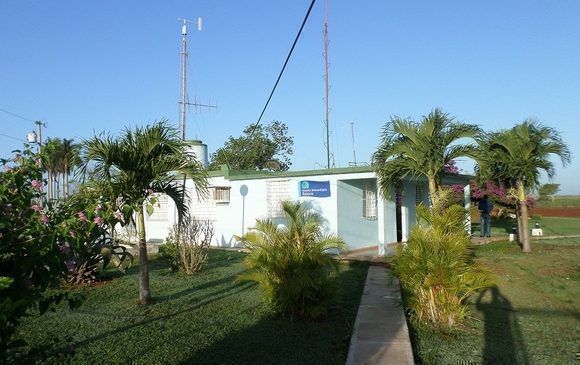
318	189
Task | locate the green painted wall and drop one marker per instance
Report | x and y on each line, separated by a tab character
390	229
355	230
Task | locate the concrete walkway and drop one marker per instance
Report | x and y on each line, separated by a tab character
380	334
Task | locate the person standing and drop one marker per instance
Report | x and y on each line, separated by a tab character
485	206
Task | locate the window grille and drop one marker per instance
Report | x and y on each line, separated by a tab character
419	194
277	191
369	201
160	209
221	194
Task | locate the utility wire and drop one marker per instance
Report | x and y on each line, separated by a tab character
16	115
284	67
18	139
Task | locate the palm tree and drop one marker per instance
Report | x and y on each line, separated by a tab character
69	159
517	157
136	166
420	149
292	263
52	163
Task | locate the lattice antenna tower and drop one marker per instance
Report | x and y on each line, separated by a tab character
326	88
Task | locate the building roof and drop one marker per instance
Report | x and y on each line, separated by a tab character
230	174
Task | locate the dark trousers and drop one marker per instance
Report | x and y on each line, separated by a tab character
485	224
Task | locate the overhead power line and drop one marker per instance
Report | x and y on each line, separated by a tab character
16	115
285	63
18	139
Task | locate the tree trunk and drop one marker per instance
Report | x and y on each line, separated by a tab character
432	185
524	234
57	185
432	189
48	187
518	223
144	293
65	181
53	184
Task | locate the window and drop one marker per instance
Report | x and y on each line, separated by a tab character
369	201
221	194
277	191
160	209
419	194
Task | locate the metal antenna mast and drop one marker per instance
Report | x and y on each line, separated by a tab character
183	99
326	111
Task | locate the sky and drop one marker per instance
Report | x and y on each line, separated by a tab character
84	67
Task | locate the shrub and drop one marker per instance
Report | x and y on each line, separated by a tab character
85	235
436	269
31	259
292	263
187	244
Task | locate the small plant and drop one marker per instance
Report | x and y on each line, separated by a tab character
436	269
187	244
292	263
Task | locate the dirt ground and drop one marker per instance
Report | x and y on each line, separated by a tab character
556	212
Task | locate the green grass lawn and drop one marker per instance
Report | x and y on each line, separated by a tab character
560	201
531	317
207	318
551	226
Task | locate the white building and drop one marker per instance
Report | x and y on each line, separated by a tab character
346	198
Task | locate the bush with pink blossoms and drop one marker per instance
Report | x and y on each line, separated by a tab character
451	167
43	244
500	195
30	258
86	227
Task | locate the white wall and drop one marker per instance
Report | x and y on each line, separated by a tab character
239	214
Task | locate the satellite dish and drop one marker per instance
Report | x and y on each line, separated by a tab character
244	190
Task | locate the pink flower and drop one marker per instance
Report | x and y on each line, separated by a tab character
82	216
70	265
36	208
99	221
119	216
44	218
36	184
65	250
73	234
450	167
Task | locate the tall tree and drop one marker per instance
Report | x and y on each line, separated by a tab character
517	157
60	158
69	159
139	164
52	163
259	148
549	190
420	149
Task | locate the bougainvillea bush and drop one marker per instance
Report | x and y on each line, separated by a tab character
43	244
30	258
501	196
85	231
